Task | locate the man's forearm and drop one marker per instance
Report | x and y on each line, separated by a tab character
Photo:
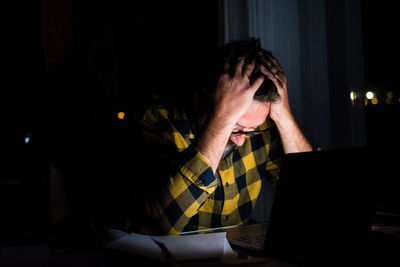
213	139
293	140
232	97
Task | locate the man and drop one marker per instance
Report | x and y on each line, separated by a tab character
206	161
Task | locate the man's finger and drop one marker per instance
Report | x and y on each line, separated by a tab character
257	83
274	61
275	69
248	69
239	65
265	61
271	76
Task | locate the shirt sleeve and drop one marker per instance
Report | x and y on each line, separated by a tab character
275	155
180	179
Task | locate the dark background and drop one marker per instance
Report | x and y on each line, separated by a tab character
72	66
382	72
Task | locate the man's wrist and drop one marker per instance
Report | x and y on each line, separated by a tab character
293	140
285	122
222	121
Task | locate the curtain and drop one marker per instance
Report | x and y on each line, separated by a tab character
319	45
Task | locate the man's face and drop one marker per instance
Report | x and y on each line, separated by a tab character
253	118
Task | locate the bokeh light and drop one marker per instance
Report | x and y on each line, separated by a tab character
121	115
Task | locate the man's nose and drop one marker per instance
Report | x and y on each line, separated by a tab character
238	139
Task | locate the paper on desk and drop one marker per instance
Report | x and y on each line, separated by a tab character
188	247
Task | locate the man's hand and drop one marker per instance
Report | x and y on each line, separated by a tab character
232	97
292	138
233	93
280	110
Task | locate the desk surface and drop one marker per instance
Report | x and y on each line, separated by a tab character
375	249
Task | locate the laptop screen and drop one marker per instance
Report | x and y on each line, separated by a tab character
323	199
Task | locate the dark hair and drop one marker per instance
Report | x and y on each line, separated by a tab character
251	48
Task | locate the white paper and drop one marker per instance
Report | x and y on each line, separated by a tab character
228	251
187	247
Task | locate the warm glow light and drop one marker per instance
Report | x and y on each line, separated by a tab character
121	115
369	95
365	101
374	101
353	95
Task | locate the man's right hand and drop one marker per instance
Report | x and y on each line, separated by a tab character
232	97
233	93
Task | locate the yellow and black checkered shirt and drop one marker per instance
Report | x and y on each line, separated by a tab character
190	196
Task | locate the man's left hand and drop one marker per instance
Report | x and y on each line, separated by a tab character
280	110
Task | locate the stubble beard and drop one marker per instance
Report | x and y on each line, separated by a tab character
230	146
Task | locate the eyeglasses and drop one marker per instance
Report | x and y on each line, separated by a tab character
250	134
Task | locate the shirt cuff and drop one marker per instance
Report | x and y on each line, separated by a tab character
196	168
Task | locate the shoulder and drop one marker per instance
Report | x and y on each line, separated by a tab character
163	112
155	108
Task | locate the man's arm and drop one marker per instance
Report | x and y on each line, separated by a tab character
232	97
189	183
293	140
176	178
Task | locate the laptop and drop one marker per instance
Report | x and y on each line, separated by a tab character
323	200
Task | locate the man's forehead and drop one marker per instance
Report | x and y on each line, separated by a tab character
255	115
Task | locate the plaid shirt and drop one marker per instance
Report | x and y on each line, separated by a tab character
189	195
